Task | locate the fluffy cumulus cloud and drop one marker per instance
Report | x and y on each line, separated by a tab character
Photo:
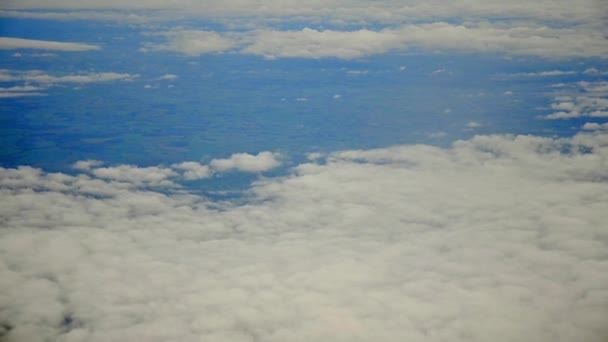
590	101
524	39
193	170
246	162
498	238
7	43
165	176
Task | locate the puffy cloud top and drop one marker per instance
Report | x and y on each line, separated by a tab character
496	238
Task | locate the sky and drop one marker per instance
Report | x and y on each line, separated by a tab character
336	170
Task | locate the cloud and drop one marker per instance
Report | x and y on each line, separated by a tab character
528	40
539	74
112	15
595	72
7	43
193	42
193	170
162	176
169	77
593	126
43	81
21	91
86	165
496	238
593	102
245	162
140	176
20	94
473	124
334	11
41	77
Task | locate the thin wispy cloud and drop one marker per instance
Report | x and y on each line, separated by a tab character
9	43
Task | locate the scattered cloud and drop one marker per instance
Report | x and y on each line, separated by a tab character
245	162
539	74
437	135
32	82
7	43
193	170
193	43
593	126
140	176
86	165
410	242
168	77
595	72
593	102
357	72
473	124
41	77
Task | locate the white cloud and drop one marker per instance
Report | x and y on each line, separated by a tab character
7	43
357	72
245	162
593	126
335	11
86	165
20	94
497	238
114	15
21	91
41	77
532	40
540	74
140	176
193	43
473	124
169	77
595	72
437	135
193	170
592	103
43	81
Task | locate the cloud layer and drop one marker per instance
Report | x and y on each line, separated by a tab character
524	39
497	238
341	10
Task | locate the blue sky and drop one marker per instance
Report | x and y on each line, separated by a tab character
298	170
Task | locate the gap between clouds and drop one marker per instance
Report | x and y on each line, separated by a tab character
496	238
531	40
